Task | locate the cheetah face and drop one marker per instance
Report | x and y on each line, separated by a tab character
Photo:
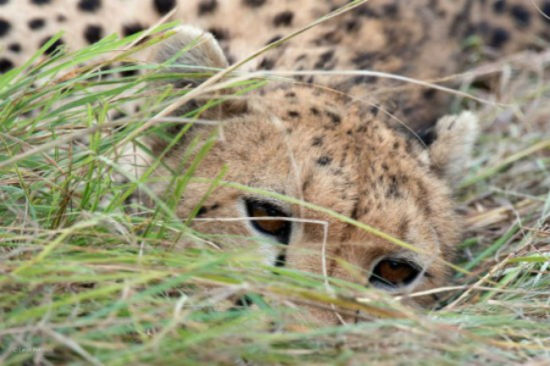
322	148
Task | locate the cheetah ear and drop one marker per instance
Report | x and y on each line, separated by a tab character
193	51
451	151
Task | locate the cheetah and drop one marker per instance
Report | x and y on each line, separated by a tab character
339	146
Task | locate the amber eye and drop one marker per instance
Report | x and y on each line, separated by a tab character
277	228
394	273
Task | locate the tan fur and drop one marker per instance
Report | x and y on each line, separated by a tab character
336	147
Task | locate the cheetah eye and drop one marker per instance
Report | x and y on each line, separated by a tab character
276	228
393	273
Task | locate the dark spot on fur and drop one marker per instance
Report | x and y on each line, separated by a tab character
293	114
36	23
61	18
40	2
4	27
364	79
219	33
363	60
521	15
300	58
324	160
230	58
324	58
202	211
290	94
428	94
15	47
164	6
131	28
254	3
118	115
274	39
266	64
93	33
2	2
5	65
281	260
207	6
89	5
366	11
317	141
546	10
284	18
336	119
328	38
499	6
352	25
314	111
56	45
391	10
131	72
243	301
215	206
499	37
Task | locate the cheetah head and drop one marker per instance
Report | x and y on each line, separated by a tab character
324	148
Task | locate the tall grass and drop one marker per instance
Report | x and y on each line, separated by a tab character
89	276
